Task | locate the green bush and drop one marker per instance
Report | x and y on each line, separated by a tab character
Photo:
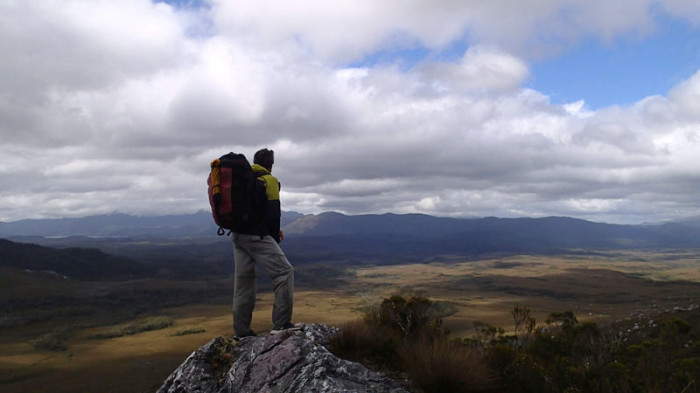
412	318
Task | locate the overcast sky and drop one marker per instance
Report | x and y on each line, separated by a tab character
470	108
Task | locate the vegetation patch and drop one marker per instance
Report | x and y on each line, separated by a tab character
53	341
322	275
35	304
189	330
655	353
148	324
444	366
406	336
18	377
506	265
221	354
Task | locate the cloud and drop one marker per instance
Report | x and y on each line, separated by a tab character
55	50
120	106
78	44
480	69
342	31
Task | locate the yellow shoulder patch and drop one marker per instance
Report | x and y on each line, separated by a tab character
272	187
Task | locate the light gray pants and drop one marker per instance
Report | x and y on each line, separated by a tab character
247	251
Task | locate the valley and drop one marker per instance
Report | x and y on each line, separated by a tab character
602	286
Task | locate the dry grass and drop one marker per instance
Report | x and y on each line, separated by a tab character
602	288
366	344
189	330
445	366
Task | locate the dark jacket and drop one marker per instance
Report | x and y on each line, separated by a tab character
273	209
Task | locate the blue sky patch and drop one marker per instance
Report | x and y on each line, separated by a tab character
621	72
185	3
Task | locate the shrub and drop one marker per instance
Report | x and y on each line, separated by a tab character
565	356
566	319
524	323
487	334
412	318
406	335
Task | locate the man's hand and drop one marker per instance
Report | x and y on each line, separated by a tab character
281	235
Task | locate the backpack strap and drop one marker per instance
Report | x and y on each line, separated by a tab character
261	173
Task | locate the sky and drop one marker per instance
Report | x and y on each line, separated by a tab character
460	108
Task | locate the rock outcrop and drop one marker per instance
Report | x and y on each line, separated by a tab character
291	362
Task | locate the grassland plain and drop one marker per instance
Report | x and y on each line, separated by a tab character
601	286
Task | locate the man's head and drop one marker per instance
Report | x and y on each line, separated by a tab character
265	158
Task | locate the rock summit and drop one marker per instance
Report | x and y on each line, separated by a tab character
290	362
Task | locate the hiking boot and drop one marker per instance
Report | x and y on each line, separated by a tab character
248	334
288	327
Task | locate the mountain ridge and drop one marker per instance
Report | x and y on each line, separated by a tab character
335	237
202	224
419	237
199	224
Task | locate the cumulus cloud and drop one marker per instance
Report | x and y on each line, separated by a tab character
120	106
480	69
56	50
345	30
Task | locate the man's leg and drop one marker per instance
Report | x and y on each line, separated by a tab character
243	285
271	257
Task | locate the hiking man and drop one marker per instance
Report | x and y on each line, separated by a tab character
259	244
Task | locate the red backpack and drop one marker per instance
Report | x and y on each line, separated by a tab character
236	196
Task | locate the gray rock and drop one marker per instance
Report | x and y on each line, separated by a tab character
291	362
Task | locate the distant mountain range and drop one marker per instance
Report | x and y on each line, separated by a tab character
417	237
371	238
198	224
121	246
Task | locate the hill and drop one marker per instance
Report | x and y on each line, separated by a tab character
78	263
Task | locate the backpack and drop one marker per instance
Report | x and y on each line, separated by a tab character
236	196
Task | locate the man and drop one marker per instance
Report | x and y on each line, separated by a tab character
259	244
